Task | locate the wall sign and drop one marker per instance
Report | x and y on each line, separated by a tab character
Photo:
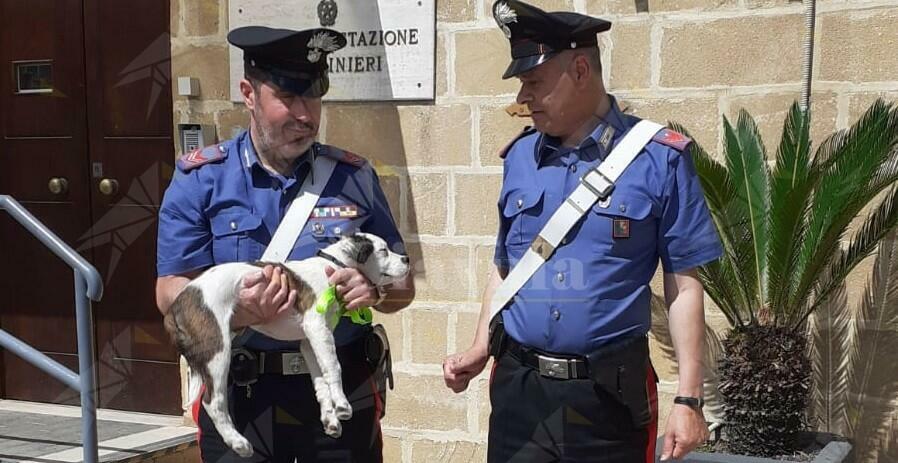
390	47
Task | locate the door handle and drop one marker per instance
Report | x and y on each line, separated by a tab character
109	186
58	185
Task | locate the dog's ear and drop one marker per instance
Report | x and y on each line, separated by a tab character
362	248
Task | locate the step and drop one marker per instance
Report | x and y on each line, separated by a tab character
46	433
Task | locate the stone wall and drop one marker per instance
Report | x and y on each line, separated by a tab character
690	61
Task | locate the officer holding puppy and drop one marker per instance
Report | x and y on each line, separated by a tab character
592	199
225	204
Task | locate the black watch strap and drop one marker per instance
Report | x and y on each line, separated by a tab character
692	402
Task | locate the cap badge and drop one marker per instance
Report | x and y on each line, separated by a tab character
327	13
321	42
504	16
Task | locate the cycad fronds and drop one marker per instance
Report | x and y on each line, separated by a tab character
748	210
782	228
830	334
791	185
871	362
843	189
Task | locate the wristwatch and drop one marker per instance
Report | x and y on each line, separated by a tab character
695	403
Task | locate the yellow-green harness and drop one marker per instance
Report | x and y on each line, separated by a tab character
360	316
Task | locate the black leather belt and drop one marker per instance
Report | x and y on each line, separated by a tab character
548	365
293	363
282	363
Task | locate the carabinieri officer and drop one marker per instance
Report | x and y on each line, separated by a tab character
572	379
224	205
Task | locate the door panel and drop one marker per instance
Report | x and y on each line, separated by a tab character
43	136
109	117
130	99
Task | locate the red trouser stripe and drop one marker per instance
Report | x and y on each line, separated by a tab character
378	409
195	412
652	388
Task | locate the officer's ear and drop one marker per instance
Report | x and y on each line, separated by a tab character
248	90
581	68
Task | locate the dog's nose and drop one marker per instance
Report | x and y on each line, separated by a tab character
404	259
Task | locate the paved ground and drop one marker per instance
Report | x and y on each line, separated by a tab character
50	434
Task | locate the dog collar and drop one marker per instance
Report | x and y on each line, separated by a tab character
331	258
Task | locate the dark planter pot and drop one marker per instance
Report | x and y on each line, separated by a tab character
831	451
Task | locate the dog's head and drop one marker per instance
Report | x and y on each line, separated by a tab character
370	255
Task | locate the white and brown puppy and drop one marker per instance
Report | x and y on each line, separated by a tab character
199	324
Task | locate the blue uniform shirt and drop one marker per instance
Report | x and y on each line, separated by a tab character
595	288
227	210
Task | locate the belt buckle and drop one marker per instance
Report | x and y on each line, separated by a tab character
292	363
553	367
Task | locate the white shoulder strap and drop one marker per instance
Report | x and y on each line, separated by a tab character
594	185
299	211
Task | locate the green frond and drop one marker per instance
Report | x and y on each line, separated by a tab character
790	195
880	223
842	191
747	167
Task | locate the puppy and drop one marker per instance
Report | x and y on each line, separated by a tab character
199	324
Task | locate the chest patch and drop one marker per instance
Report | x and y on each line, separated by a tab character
621	229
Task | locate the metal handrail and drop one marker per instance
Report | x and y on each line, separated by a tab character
88	286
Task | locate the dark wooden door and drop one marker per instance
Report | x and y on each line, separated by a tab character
44	137
120	149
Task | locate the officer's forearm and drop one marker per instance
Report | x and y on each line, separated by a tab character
399	295
482	336
685	299
168	288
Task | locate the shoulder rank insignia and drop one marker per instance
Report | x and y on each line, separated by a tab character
201	156
527	131
340	155
673	139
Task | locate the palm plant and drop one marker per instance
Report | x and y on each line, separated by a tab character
785	225
854	357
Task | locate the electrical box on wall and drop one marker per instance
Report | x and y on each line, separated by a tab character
195	136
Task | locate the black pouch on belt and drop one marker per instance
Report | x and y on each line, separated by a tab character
244	367
377	352
496	338
621	369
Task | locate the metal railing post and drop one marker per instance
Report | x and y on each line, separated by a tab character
88	286
86	370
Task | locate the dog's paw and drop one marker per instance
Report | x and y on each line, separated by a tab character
344	411
243	448
334	429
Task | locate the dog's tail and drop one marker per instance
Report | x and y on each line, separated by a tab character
194	387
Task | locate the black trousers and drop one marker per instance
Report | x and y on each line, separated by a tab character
281	418
535	419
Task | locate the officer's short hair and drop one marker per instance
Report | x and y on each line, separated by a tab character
254	75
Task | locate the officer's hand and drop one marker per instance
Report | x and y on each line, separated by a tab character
265	295
353	288
459	369
686	429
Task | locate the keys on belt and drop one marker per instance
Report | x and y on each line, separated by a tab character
547	365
